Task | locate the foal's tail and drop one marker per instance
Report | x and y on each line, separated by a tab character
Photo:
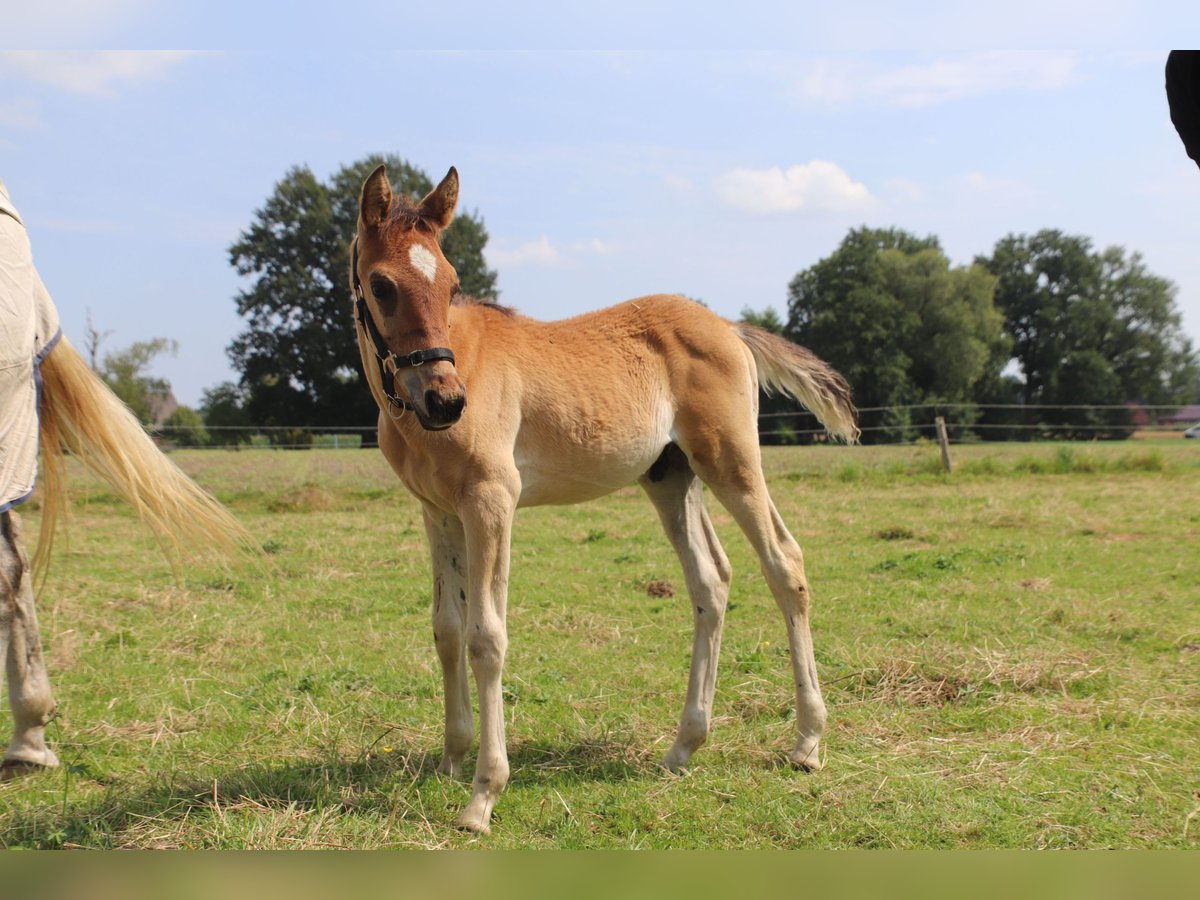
795	371
80	415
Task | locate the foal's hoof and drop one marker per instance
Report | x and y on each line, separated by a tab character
673	767
12	769
473	823
807	758
26	760
477	815
675	761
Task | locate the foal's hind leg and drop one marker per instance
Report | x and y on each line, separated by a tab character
448	548
731	466
21	647
676	494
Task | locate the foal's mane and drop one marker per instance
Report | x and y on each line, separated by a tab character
405	215
461	299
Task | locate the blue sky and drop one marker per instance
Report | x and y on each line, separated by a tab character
600	173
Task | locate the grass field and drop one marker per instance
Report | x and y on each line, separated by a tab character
1009	656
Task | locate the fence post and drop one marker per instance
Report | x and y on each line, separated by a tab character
944	440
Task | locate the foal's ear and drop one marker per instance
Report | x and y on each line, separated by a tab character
438	208
376	197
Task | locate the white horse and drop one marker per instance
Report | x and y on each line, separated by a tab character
74	411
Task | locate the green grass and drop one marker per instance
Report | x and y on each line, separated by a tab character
1009	655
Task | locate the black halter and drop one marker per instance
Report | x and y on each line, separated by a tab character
383	354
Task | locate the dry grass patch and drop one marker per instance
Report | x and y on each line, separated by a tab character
935	679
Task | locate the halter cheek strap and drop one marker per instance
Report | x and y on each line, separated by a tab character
389	363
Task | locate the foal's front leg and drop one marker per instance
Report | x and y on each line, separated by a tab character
448	549
487	514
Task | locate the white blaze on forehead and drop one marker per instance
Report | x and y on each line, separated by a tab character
423	261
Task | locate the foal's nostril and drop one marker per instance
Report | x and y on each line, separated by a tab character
444	409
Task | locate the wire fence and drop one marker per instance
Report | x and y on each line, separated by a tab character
965	422
277	437
980	422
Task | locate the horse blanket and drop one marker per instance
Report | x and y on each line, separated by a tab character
28	331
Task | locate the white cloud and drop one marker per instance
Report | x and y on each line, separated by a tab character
593	245
903	190
66	23
828	81
543	254
930	83
993	187
531	253
985	73
817	186
98	73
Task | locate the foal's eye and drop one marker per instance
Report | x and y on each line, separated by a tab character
383	290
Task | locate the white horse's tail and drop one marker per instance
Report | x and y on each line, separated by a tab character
795	371
80	415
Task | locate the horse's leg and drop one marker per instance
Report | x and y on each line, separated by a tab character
487	515
448	548
731	466
21	647
678	497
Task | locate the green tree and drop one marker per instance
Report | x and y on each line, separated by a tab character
298	358
1089	329
184	428
905	328
1046	285
1153	360
223	410
768	319
125	372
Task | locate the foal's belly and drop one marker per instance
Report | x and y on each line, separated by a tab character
554	486
558	473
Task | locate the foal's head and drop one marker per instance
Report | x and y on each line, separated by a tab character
407	285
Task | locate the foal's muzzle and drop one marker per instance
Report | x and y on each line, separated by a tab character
440	412
437	396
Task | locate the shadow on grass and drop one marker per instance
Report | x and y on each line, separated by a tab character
375	785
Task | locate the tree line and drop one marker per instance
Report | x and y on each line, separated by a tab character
1014	342
1044	320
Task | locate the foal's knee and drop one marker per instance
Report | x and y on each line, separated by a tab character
486	646
447	628
448	646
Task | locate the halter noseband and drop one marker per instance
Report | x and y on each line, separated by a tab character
383	354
